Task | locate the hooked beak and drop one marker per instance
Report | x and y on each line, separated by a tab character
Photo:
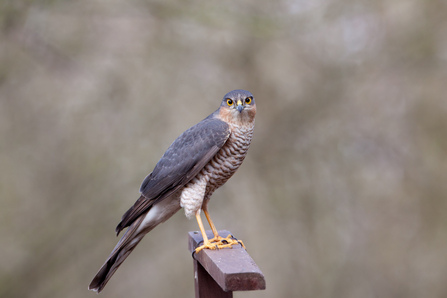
239	106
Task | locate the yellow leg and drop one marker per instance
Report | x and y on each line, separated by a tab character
202	228
217	241
213	227
206	242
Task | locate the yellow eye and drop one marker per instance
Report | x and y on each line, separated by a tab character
248	100
229	102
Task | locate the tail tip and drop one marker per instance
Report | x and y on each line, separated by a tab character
96	286
97	290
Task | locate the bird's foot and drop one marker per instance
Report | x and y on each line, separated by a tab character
229	240
219	242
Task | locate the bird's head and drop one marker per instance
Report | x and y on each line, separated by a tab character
238	106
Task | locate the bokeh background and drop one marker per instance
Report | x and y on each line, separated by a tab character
343	192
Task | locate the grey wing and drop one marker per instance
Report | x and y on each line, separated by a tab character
183	160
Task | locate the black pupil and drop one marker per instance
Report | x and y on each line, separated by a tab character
230	101
247	100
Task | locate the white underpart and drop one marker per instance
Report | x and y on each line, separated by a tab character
160	212
192	196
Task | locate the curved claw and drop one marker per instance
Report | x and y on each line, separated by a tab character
238	241
219	243
194	251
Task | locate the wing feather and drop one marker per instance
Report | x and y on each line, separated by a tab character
183	160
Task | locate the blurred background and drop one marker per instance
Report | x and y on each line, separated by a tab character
343	192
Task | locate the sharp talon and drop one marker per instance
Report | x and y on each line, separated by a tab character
219	243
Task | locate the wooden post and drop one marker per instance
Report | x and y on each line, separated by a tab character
217	273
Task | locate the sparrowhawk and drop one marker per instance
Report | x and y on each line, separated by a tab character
197	163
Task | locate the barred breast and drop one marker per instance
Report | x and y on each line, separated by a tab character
228	159
218	170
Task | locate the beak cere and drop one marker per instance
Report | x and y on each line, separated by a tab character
239	106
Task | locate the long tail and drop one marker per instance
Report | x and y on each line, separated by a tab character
124	247
143	224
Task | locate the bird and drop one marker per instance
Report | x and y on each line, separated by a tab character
197	163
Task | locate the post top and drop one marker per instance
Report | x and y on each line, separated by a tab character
232	268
